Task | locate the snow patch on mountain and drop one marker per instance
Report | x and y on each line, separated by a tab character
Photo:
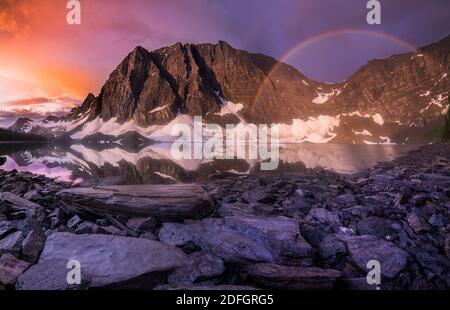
229	107
315	130
323	97
387	141
377	118
165	176
436	101
365	132
158	109
113	128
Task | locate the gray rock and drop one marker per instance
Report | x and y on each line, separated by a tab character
56	218
362	249
142	224
297	204
447	246
11	268
74	222
431	262
86	228
108	261
234	209
32	246
50	275
6	227
11	244
199	267
346	200
243	209
250	238
281	235
436	220
332	251
34	212
257	208
376	226
256	195
417	223
322	215
213	237
360	211
292	277
32	195
314	235
419	200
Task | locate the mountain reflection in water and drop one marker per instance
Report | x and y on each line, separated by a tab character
155	165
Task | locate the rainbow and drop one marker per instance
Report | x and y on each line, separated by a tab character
324	35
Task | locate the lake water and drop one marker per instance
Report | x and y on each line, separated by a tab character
154	164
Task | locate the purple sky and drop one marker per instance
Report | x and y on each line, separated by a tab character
274	27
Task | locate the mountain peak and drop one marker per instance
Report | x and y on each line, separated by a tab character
140	50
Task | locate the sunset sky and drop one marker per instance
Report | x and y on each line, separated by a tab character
48	66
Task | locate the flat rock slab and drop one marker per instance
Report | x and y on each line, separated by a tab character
259	239
165	203
107	261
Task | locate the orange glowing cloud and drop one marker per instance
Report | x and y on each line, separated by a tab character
38	106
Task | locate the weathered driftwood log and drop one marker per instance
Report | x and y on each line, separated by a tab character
164	202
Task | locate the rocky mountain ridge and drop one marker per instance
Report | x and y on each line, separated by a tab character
391	100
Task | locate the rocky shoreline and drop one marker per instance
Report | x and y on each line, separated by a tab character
315	230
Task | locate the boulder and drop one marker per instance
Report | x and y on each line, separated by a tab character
281	235
292	277
417	223
34	212
11	244
213	237
11	268
256	195
266	239
363	249
376	226
332	251
324	216
32	246
199	267
50	275
107	261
